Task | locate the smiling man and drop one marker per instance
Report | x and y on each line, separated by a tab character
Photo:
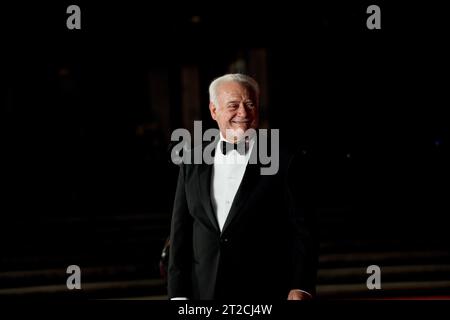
237	234
234	101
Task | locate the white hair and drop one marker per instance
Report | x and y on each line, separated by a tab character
232	77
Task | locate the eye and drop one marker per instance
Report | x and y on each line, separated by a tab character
250	105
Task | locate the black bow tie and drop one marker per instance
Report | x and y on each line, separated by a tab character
241	147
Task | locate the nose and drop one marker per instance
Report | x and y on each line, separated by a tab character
242	111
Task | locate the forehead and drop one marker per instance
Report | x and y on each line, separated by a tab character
234	90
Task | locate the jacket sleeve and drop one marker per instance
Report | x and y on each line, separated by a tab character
180	254
304	246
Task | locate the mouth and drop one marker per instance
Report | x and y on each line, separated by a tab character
240	121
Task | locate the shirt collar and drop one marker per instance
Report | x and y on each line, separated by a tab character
247	154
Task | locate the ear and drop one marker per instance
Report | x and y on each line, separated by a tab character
213	110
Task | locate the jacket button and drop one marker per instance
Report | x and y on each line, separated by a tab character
224	240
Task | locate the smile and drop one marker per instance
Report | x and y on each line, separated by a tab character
240	121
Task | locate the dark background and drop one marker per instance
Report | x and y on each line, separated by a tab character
86	118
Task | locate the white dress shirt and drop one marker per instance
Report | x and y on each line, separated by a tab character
227	173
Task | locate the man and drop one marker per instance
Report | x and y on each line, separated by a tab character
237	234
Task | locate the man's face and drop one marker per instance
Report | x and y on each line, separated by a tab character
237	110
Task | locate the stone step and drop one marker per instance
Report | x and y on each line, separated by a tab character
154	289
91	290
388	289
389	273
349	259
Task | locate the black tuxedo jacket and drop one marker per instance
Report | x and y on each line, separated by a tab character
267	245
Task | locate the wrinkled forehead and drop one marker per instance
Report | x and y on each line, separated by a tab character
235	91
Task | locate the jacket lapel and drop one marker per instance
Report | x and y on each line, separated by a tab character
204	185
